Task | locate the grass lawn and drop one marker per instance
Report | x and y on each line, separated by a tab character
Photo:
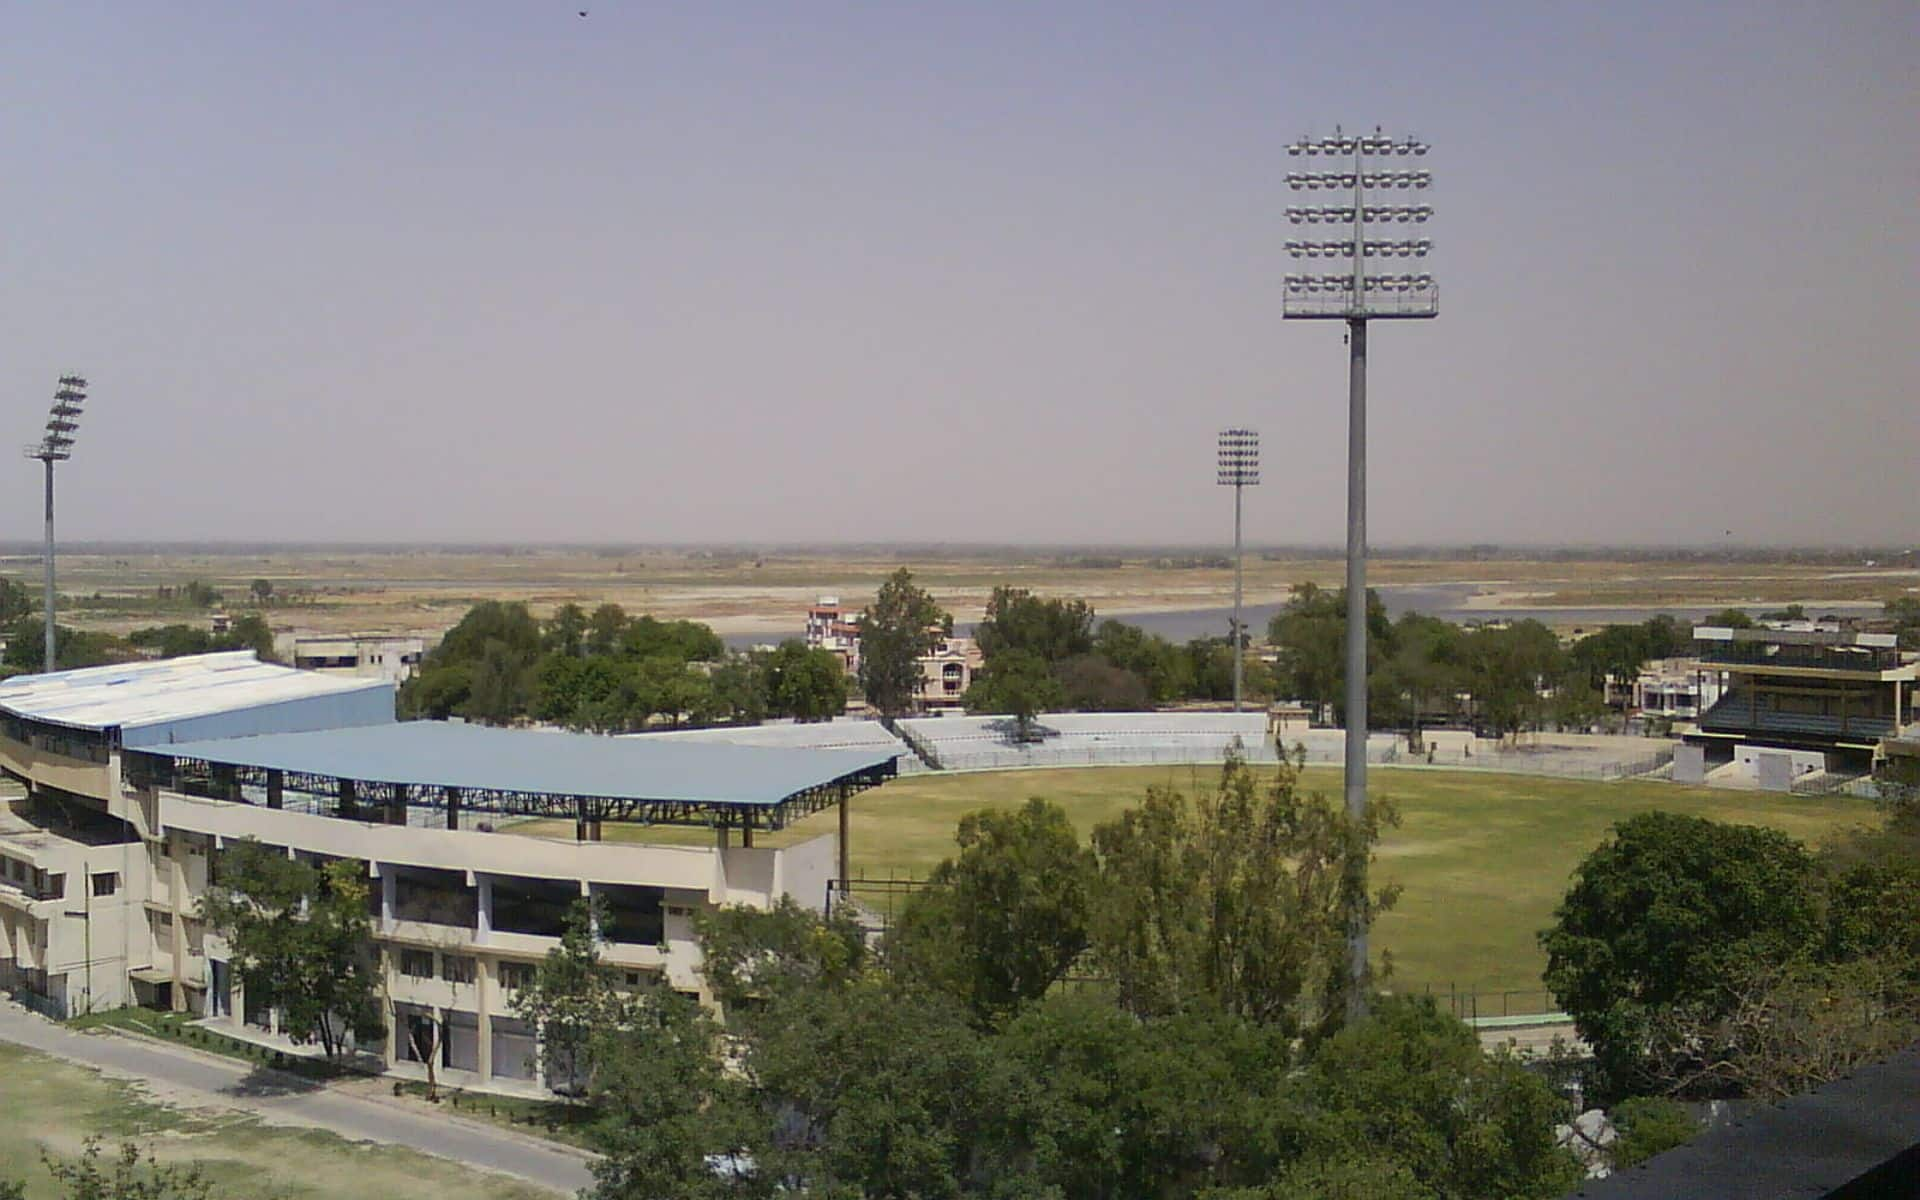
1482	858
53	1105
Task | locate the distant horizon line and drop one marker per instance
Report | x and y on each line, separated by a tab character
32	549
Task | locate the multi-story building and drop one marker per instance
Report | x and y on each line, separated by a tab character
1827	696
946	674
1676	688
137	776
374	655
831	627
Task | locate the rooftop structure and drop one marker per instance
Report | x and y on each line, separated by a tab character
197	696
519	772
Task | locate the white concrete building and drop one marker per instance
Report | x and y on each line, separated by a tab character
137	776
393	657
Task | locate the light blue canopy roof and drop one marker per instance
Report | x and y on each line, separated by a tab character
480	758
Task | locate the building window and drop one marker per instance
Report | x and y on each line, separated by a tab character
516	975
416	964
106	883
457	968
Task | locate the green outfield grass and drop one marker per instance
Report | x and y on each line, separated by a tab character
1482	857
54	1106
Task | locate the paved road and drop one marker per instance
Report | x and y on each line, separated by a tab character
287	1099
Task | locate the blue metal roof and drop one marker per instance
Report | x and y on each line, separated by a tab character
480	758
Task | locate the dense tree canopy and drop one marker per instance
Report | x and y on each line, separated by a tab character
897	630
1051	629
1671	911
1002	922
301	940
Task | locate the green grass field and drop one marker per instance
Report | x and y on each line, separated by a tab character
1482	858
53	1106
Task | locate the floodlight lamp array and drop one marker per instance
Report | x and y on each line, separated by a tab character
63	420
1381	214
1376	143
1407	248
1300	285
1239	457
1345	180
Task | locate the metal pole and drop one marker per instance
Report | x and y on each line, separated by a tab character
1238	652
47	609
1356	681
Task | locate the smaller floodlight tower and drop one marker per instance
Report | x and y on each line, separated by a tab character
57	446
1239	469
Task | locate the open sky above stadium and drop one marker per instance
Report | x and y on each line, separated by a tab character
967	272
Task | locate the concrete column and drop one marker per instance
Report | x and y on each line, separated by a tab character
276	787
452	797
226	781
483	1007
387	888
349	803
177	890
483	909
845	850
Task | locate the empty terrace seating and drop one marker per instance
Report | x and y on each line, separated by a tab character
1092	739
1733	714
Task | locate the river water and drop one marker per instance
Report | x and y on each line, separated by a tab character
1446	601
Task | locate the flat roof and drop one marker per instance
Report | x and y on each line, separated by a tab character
482	758
1861	1130
130	695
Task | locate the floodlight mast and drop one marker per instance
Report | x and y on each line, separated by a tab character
57	446
1356	298
1239	469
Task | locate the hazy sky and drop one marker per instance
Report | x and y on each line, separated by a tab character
980	272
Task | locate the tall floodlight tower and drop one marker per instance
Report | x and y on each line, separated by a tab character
57	446
1239	469
1375	209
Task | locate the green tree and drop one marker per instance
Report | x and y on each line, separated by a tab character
498	686
1158	662
687	641
565	632
1902	611
1089	683
300	938
200	594
1509	672
1730	618
1671	910
26	647
751	957
902	626
1109	1105
740	689
1411	1085
261	591
667	1104
1051	629
1310	636
1003	921
883	1095
572	994
805	683
1235	898
1645	1126
604	628
16	603
1018	684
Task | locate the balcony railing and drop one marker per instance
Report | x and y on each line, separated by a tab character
1819	658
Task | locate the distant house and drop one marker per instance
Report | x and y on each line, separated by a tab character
393	657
